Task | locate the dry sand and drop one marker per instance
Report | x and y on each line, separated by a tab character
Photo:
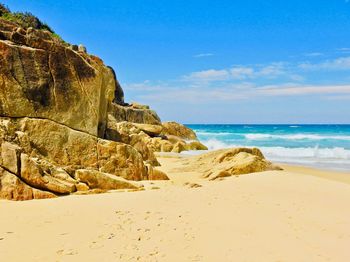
299	214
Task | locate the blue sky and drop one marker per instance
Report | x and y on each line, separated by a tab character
218	61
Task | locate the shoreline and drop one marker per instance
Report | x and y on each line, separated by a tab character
335	175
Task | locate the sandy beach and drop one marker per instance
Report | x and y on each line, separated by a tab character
299	214
157	131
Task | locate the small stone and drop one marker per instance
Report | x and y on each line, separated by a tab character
82	48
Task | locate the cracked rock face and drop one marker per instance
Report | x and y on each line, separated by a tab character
53	115
42	77
39	158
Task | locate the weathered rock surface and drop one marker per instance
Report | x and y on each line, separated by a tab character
153	136
228	162
155	174
12	188
41	77
10	157
34	175
176	129
134	114
95	179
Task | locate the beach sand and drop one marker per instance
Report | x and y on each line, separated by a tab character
299	214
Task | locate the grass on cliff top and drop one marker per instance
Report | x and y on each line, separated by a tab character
26	20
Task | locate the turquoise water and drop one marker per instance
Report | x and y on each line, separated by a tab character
324	146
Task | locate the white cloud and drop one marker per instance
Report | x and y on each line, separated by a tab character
304	90
272	70
208	75
314	54
341	63
242	72
203	55
227	91
268	71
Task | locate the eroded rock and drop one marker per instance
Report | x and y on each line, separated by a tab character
228	162
95	179
12	188
176	129
42	77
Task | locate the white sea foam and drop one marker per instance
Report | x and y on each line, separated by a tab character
337	157
300	136
203	133
299	152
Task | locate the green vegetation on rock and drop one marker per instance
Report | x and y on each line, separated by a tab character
25	20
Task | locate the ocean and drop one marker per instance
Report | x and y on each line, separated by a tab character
321	146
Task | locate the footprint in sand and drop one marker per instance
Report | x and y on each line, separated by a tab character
96	245
69	252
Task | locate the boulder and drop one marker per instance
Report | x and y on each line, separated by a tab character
228	162
12	188
151	130
176	129
155	174
129	133
33	174
134	115
64	146
120	160
139	106
196	145
147	154
179	147
58	143
95	179
10	157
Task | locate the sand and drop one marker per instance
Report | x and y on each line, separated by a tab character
300	214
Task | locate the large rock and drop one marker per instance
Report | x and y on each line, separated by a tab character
151	130
228	162
10	157
176	129
155	174
129	133
134	114
12	188
41	77
120	160
64	146
50	154
34	175
95	179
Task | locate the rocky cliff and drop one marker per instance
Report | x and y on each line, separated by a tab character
64	124
66	129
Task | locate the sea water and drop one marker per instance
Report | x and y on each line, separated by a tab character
322	146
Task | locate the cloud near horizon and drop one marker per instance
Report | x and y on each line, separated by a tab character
240	72
243	84
198	94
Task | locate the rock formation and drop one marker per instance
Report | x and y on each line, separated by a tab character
64	124
228	162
